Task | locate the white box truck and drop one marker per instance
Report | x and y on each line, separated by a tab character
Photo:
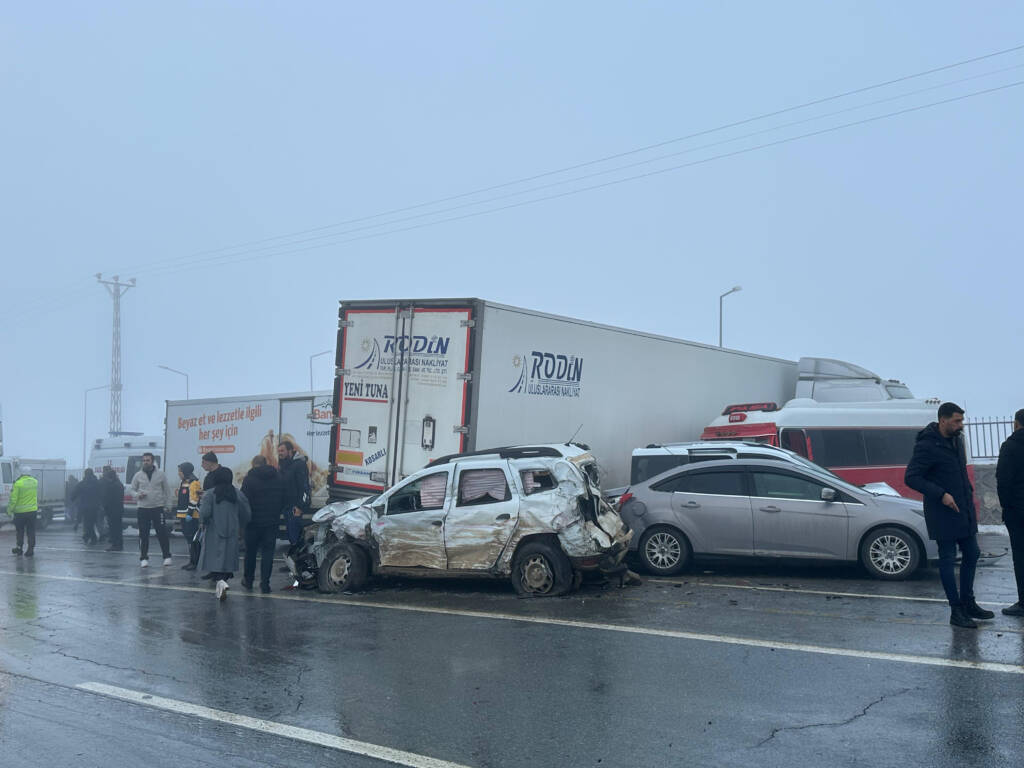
422	378
238	428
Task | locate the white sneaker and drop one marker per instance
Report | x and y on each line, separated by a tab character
167	561
222	589
143	563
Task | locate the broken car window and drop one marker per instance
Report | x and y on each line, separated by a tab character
537	480
482	486
424	494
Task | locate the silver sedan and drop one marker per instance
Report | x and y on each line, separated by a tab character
762	508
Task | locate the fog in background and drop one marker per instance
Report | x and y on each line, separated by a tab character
168	142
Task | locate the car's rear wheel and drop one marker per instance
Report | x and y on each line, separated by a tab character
541	570
344	569
891	554
664	551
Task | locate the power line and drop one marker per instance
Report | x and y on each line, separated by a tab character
238	258
215	259
607	158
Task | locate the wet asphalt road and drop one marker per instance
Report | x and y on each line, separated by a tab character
726	665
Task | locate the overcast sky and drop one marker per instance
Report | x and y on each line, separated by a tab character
141	139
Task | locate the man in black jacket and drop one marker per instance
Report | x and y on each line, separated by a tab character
295	476
265	492
938	470
112	500
1010	486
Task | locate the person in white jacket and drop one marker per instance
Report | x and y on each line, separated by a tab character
154	496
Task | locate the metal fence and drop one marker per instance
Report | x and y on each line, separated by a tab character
984	436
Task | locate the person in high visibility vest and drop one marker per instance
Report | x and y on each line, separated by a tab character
23	506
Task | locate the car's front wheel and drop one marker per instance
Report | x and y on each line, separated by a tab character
891	554
344	569
541	570
664	551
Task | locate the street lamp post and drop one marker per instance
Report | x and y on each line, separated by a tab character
85	414
318	354
180	373
720	298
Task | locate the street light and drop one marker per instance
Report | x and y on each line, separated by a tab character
318	354
180	373
734	289
85	413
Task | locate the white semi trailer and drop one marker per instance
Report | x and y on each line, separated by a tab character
421	378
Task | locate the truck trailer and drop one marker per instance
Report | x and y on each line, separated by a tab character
239	427
418	379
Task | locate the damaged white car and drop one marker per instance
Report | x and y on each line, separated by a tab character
534	514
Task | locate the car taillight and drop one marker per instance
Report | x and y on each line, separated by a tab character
624	498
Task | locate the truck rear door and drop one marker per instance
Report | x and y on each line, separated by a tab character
401	395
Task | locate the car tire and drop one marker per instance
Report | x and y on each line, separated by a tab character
890	554
344	569
541	570
664	550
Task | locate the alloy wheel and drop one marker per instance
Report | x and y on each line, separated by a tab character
663	550
890	554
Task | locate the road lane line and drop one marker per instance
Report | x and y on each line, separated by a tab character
796	590
782	645
320	739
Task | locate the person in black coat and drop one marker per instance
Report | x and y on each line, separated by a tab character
87	496
112	501
938	470
264	489
1010	487
295	476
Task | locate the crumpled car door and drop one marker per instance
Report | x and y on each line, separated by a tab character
410	533
482	516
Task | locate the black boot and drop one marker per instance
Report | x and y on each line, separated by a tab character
975	611
1014	610
958	618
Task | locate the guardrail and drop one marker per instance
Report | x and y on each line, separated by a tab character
984	436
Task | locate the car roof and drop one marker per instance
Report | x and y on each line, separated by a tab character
710	446
552	451
733	464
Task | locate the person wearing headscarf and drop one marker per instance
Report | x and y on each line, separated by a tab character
112	499
189	492
224	512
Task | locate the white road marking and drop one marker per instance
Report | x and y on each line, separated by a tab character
903	658
387	754
797	590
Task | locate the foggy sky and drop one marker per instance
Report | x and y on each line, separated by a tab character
153	140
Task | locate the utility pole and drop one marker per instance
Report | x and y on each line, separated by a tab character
116	289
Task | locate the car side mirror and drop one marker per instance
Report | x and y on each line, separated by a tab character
827	494
379	509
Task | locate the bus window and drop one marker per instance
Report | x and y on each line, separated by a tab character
795	440
837	447
890	447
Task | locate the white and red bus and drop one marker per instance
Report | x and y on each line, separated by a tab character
862	442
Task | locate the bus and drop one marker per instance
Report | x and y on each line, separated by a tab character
862	442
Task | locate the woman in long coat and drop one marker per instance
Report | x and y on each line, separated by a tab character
224	511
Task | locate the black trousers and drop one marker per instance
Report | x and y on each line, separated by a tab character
89	525
260	539
25	522
154	516
1015	527
114	533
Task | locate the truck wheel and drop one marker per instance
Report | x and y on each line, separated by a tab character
890	554
664	551
541	570
344	569
44	520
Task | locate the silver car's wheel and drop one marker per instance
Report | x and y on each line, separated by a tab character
540	569
537	576
664	551
890	553
344	569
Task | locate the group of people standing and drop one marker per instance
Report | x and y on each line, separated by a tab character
214	514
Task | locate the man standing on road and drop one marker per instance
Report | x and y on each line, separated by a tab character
23	506
938	470
1010	486
265	492
112	499
295	476
87	496
188	511
154	495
